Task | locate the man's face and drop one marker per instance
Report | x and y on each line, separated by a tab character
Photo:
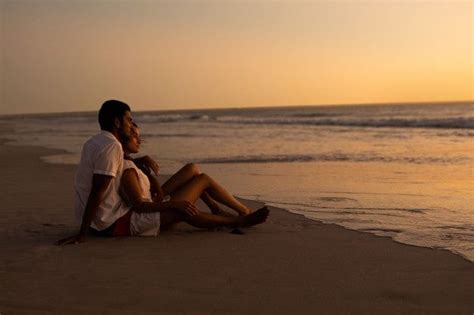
126	125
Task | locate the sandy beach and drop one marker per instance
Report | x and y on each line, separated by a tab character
290	265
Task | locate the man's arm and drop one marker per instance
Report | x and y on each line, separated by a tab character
100	183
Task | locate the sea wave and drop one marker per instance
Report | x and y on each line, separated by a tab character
334	157
259	159
170	118
48	119
146	136
445	123
315	120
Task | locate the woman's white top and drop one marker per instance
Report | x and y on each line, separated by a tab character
142	180
142	224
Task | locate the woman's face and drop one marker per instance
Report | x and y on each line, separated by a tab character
134	142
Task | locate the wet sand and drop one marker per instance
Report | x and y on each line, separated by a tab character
289	265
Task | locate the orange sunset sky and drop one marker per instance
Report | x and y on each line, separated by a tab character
60	56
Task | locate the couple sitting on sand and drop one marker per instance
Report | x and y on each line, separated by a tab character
116	195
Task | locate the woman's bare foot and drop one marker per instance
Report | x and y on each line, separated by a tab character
257	217
246	212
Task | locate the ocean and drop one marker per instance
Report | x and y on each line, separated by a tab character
403	171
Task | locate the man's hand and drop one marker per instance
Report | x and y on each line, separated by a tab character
185	207
76	239
147	165
96	195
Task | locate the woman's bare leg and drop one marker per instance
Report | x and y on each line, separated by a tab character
194	188
191	192
181	177
184	175
170	218
210	221
213	205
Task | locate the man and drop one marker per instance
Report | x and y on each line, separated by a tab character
98	175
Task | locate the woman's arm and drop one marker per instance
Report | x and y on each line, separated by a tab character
132	192
130	188
155	188
149	166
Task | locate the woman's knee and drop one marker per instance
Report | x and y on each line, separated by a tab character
204	177
193	168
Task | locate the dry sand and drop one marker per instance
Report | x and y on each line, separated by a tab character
290	265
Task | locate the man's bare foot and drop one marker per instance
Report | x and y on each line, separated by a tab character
256	217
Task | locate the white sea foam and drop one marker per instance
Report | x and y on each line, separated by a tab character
334	157
447	123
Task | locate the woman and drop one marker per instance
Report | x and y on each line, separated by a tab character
151	210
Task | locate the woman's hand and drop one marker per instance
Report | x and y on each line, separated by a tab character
184	207
156	195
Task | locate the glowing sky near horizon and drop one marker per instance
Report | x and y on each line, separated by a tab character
59	56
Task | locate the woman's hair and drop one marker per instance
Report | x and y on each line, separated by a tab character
126	139
135	128
110	110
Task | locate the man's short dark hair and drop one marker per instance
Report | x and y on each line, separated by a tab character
110	110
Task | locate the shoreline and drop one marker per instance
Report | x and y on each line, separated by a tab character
289	264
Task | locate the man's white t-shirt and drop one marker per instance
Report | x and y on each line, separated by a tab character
102	154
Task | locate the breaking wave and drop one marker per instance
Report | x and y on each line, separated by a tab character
334	157
446	123
316	120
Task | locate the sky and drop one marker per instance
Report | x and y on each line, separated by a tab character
72	55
